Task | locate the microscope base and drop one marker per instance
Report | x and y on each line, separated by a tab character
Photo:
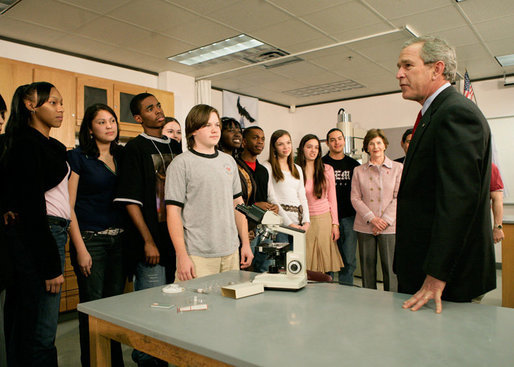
281	281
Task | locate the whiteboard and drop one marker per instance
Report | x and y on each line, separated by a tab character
502	130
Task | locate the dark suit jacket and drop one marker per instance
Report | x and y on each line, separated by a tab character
443	225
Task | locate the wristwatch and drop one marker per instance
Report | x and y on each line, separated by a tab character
499	226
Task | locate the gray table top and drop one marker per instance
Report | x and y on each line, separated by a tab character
320	325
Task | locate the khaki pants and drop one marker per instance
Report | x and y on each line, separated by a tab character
213	265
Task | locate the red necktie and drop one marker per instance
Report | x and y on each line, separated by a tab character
418	119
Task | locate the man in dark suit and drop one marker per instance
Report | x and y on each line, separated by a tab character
406	138
444	242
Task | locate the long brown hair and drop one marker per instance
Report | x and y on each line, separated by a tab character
320	183
273	158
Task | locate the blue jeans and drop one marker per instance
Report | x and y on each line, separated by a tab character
148	276
45	352
347	244
106	280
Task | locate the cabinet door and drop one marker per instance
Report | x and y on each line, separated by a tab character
65	82
91	90
123	94
167	101
13	74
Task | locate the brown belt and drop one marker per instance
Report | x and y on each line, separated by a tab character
294	209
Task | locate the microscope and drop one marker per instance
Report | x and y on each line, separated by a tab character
295	275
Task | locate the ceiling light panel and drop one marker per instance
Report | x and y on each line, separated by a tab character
505	60
327	88
217	50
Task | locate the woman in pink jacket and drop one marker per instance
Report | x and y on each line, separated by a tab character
322	252
374	190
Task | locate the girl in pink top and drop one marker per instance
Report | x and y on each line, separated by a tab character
322	253
374	190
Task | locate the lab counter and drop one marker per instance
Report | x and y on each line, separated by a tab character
319	325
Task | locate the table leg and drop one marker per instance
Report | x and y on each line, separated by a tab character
100	346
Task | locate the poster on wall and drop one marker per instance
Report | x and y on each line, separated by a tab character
242	108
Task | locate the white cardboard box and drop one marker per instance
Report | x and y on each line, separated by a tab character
242	290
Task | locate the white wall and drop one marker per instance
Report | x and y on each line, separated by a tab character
270	117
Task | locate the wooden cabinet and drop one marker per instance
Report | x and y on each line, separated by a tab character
65	82
167	100
92	90
123	94
117	95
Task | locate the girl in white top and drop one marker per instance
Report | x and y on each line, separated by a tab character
285	186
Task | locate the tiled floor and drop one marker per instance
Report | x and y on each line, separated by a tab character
68	335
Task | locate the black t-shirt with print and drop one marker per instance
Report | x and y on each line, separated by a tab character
141	181
343	171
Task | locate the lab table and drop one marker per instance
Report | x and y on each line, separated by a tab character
320	325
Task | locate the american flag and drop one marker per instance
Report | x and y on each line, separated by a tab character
468	88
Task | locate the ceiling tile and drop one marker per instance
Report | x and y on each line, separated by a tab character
33	33
84	46
302	7
501	47
298	69
456	37
161	46
99	6
479	11
337	19
402	8
496	29
481	68
432	20
154	15
309	45
205	7
50	14
248	16
199	31
286	33
471	52
114	32
356	33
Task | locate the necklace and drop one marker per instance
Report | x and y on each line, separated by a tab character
162	158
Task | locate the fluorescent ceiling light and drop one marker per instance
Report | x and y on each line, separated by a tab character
7	4
505	60
216	50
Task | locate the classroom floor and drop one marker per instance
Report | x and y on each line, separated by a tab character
68	330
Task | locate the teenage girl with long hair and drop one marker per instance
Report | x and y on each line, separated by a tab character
319	179
37	193
96	228
286	182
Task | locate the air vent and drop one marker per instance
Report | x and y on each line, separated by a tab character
327	88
